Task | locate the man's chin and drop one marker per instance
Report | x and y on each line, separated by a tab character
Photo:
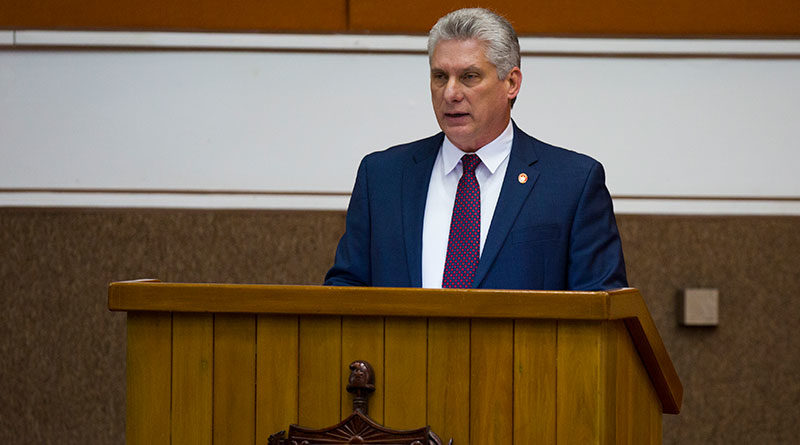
462	138
456	132
460	127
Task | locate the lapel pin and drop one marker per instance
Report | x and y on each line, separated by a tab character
522	178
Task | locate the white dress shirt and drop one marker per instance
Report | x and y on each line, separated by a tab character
446	173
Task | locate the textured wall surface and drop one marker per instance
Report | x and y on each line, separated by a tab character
740	378
62	372
63	354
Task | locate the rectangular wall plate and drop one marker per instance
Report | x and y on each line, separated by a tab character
700	307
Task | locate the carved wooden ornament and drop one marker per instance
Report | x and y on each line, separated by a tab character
357	428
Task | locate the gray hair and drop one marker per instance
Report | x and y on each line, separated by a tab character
502	44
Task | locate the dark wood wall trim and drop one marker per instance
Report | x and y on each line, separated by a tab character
177	15
651	18
644	18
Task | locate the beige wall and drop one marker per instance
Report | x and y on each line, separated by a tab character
63	363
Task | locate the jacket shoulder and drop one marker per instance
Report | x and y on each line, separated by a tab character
549	153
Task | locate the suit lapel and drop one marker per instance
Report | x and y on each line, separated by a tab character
416	179
512	196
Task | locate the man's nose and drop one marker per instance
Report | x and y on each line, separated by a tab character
452	91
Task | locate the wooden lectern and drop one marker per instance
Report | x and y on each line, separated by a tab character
233	364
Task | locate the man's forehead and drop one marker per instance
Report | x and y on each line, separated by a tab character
458	52
472	41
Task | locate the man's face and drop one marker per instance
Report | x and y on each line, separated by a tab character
471	103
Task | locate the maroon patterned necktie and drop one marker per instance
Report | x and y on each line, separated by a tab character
463	246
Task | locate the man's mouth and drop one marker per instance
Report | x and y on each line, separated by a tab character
456	115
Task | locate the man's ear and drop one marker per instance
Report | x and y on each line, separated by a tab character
514	81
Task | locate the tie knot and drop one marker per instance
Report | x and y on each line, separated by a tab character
470	162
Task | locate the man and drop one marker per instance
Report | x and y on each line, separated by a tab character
482	204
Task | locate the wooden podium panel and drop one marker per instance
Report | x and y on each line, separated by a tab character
192	378
233	363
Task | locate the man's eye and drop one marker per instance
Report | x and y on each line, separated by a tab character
470	78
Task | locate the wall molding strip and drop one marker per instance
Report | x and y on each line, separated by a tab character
219	200
396	43
232	41
199	200
706	206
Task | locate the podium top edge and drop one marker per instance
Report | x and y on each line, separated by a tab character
153	295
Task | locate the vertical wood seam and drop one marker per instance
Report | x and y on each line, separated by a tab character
469	388
427	363
558	396
213	372
299	348
385	370
255	379
513	376
602	382
171	369
347	20
383	374
341	364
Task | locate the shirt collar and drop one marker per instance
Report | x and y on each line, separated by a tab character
492	154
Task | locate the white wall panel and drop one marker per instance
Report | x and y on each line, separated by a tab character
194	120
673	127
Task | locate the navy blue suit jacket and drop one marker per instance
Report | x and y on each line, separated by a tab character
556	231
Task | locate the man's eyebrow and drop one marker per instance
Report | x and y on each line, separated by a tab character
472	68
464	70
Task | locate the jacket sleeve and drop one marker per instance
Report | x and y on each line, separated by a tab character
595	260
352	264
